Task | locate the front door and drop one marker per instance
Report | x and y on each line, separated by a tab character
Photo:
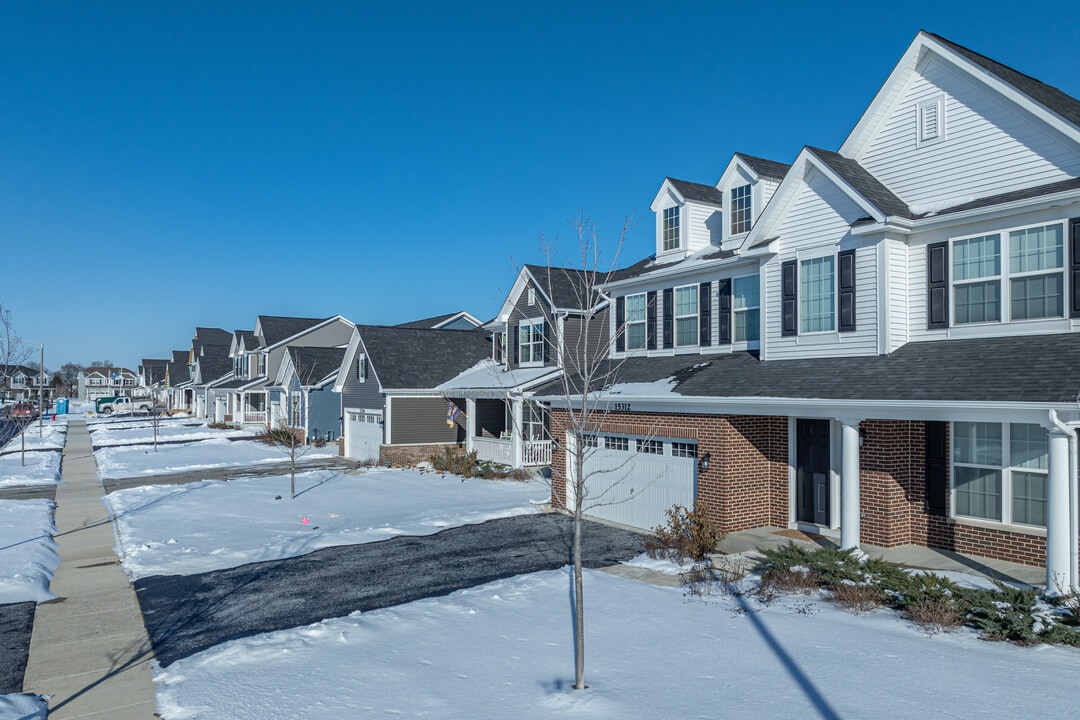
812	467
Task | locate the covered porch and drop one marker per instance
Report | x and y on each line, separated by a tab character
509	432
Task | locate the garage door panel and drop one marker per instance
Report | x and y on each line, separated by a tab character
636	489
363	435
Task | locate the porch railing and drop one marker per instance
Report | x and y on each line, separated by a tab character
254	418
493	450
537	452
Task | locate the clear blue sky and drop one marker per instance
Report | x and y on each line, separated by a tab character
167	165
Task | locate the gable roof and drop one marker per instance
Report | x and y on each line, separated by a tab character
213	364
696	192
213	336
275	328
153	371
315	365
1048	96
864	183
416	358
765	168
439	321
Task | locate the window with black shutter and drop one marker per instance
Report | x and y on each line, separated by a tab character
669	317
620	322
724	291
547	338
937	467
650	320
705	313
789	297
937	285
1074	267
846	296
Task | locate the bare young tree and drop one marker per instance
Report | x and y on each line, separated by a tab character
289	434
69	376
13	351
156	415
588	370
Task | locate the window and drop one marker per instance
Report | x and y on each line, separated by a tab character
650	447
531	342
976	277
746	298
296	405
533	423
686	316
740	210
635	322
817	300
589	440
1000	472
1034	292
361	368
671	229
683	449
617	443
531	297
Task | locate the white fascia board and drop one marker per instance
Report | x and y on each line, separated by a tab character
733	167
313	328
854	195
778	204
1043	202
347	361
458	316
666	188
1036	413
511	298
879	106
704	267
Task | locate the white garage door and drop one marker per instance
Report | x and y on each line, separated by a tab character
635	480
363	434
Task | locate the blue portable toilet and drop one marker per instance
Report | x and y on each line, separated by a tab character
61	406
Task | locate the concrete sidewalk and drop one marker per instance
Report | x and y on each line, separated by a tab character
89	652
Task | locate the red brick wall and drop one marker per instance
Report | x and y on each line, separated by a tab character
407	455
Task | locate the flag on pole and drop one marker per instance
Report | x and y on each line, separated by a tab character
452	412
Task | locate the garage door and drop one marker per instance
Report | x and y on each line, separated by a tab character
635	480
363	434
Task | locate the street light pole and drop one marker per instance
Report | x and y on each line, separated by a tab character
41	381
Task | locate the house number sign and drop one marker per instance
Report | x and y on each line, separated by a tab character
622	407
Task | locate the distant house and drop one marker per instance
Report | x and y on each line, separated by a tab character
388	382
208	363
178	381
99	382
19	383
460	320
307	376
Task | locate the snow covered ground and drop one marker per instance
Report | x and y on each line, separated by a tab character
28	555
142	432
40	468
49	436
140	460
211	525
504	650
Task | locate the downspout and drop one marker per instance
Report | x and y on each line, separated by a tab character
1074	496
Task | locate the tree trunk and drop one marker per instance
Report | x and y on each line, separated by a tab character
579	597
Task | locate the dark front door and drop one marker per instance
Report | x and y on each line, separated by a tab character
812	471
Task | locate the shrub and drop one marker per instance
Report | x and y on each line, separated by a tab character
454	462
856	597
934	615
687	534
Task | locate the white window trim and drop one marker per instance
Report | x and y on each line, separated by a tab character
644	322
1003	276
531	322
832	252
675	317
750	209
530	297
735	311
1006	471
361	368
678	229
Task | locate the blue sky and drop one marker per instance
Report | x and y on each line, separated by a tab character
167	165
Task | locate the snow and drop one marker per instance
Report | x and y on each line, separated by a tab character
211	525
28	556
50	436
658	388
40	468
23	707
504	650
136	433
135	461
489	374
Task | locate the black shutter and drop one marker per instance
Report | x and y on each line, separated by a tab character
725	312
847	290
514	332
497	338
789	297
705	313
937	468
937	285
547	337
1074	265
650	320
620	323
669	317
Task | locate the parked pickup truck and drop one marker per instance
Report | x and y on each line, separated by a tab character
125	406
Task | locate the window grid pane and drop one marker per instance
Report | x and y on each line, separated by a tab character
686	319
740	210
978	492
747	325
1029	498
635	322
1029	447
1036	296
978	302
977	443
817	304
977	257
1034	249
671	228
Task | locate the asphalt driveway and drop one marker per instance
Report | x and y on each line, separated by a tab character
16	623
186	614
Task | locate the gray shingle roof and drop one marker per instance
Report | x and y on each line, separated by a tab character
153	370
248	336
1039	368
213	336
765	168
429	323
696	192
416	358
214	363
1048	96
864	183
313	364
275	329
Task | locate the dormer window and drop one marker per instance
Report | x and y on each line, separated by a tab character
739	211
671	229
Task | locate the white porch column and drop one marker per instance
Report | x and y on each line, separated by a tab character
1058	548
470	423
850	513
517	451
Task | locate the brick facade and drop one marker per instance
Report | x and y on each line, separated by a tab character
746	485
408	455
